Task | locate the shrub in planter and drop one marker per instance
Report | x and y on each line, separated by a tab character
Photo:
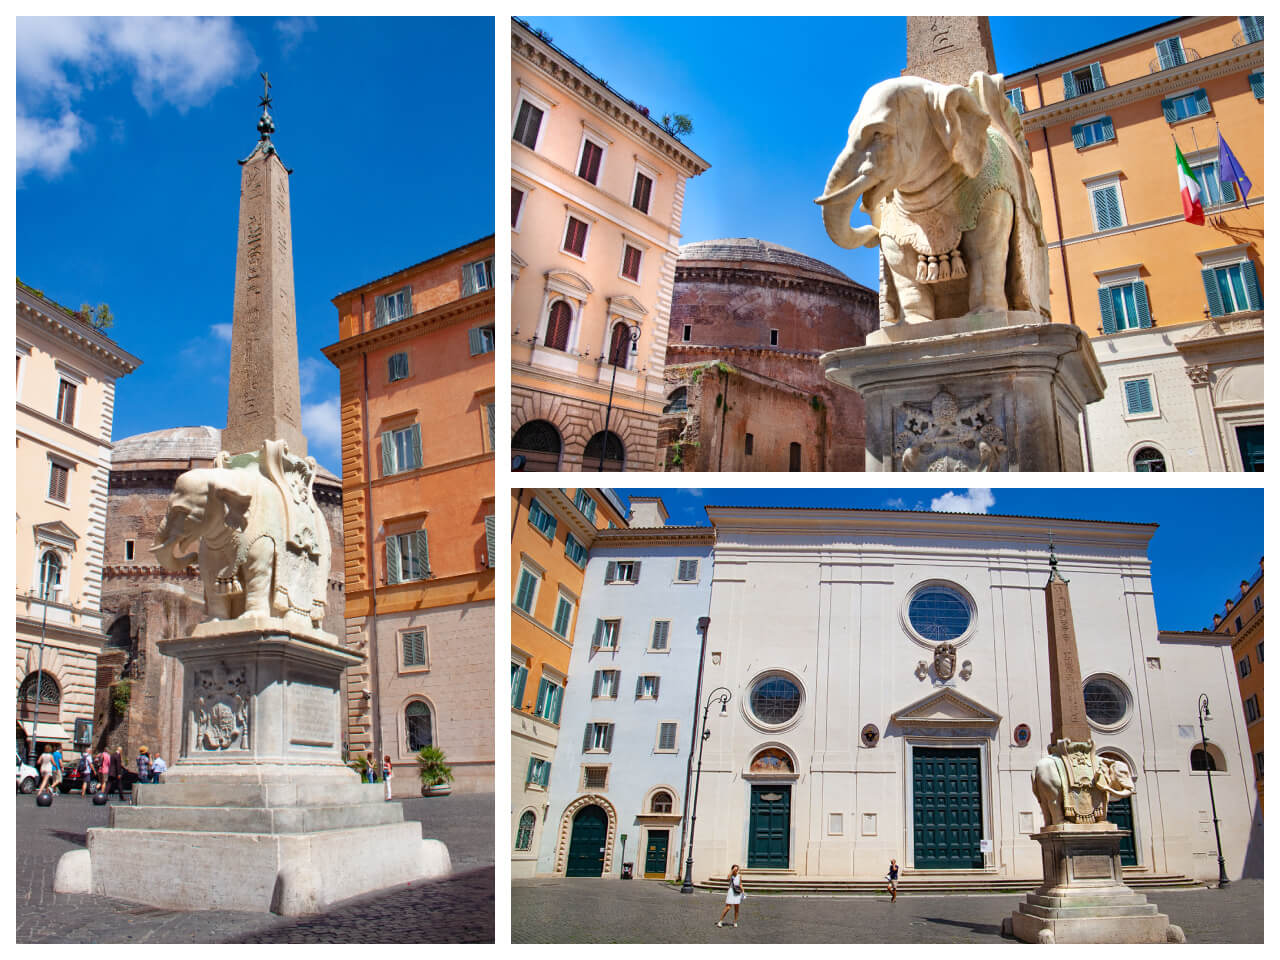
434	772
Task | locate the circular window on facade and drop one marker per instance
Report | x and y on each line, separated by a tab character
938	613
1106	702
775	700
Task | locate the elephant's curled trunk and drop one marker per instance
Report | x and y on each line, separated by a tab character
838	201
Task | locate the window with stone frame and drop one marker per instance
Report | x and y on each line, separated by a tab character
595	778
1082	80
667	731
606	635
477	276
1231	287
1107	204
661	635
642	192
1252	712
527	589
517	204
1244	666
559	323
598	738
622	571
585	503
604	685
660	802
528	124
417	723
524	832
407	557
564	616
647	686
393	307
631	262
401	449
575	237
67	402
413	648
539	773
59	475
590	158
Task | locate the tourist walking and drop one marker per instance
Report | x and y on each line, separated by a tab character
86	771
892	877
104	771
158	766
144	766
732	897
117	772
386	773
57	767
46	769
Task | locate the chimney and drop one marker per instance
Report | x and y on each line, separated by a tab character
647	512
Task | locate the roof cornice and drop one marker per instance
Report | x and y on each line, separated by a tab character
56	320
1090	54
656	535
770	275
466	250
455	311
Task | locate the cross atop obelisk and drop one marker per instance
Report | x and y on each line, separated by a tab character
949	49
263	400
1066	693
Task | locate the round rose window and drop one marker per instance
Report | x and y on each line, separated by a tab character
939	613
1105	701
775	700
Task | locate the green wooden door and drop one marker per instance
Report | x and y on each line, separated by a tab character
1250	440
655	855
586	844
948	808
1120	812
769	842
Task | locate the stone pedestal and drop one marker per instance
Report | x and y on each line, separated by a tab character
994	392
1084	898
259	812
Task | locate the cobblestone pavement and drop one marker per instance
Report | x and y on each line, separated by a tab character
619	911
458	909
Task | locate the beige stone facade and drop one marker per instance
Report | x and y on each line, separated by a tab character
66	373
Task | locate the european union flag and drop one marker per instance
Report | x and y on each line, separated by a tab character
1230	171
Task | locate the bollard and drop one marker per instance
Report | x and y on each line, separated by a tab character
99	799
44	799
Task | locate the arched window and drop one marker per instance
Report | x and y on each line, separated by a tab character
524	832
1149	460
614	454
677	401
558	323
539	443
661	802
620	345
417	725
50	697
50	573
1202	760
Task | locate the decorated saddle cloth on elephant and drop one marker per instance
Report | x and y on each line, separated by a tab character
1082	800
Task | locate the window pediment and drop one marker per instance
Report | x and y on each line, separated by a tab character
946	708
627	306
56	533
569	283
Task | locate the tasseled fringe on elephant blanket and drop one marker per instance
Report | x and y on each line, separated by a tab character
931	268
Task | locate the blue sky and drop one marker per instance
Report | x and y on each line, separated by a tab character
771	101
128	133
1208	541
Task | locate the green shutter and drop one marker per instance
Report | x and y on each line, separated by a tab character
1108	310
1211	292
388	454
393	559
1202	101
475	340
391	367
1068	86
1170	112
1255	84
1106	207
517	686
1095	70
1077	135
528	777
557	697
1250	274
1137	396
1144	309
489	537
524	593
415	444
491	415
380	311
1015	97
420	552
610	571
1108	129
586	737
1252	34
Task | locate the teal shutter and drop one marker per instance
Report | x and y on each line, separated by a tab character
489	537
1015	97
420	553
557	696
1106	208
1077	135
610	571
1211	292
388	454
1068	86
1252	29
475	341
491	411
1137	396
524	593
639	686
1170	112
1202	101
1095	70
415	444
518	676
1140	297
1250	274
1255	84
1108	310
393	559
1108	129
586	737
528	777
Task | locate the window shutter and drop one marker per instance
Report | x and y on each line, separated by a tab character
1068	86
1140	297
1108	310
557	695
1250	274
657	681
610	571
1095	71
1170	114
475	340
639	686
635	572
468	283
415	443
595	683
595	637
1077	135
1137	396
489	537
1202	100
393	559
660	629
1108	129
528	777
1106	208
1015	97
491	412
1211	292
420	548
517	687
406	302
391	367
586	737
1255	84
608	737
388	454
380	311
1113	208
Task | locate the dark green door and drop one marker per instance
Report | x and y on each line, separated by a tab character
1120	812
586	844
948	808
769	843
1250	440
655	856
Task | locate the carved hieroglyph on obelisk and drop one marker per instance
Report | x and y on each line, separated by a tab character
263	401
949	49
1066	690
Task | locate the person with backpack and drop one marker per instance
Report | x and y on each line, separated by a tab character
86	771
732	897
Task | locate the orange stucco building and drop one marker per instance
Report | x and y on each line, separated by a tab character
551	532
1241	619
1174	308
417	380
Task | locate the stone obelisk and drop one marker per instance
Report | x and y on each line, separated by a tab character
263	401
949	49
1066	689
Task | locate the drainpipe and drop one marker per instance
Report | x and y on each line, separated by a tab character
703	624
724	410
1057	212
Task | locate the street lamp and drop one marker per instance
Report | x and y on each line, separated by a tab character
722	696
633	331
1202	709
48	578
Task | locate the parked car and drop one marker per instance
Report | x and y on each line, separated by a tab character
28	776
71	779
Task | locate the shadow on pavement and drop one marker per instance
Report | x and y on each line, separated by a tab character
990	929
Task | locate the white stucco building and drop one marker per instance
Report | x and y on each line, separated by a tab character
621	765
850	739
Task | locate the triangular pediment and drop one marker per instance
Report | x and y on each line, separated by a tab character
57	530
568	282
627	306
946	708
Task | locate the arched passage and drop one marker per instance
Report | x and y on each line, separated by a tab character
608	443
538	441
595	861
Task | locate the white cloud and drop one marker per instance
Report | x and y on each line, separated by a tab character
46	145
976	500
221	331
310	372
896	503
322	424
292	30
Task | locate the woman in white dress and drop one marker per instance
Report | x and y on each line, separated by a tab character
733	897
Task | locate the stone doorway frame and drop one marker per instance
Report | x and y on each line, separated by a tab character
566	833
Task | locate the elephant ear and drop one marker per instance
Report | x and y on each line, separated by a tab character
961	124
236	501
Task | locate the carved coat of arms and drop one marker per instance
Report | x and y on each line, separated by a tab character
947	435
220	709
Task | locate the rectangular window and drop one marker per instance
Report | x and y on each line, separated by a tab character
1108	213
622	571
606	635
1137	396
667	737
550	696
481	340
595	778
402	450
598	738
392	307
1092	131
528	122
773	338
687	571
589	162
128	549
539	772
1255	84
630	262
1170	53
542	519
1257	757
1015	97
66	401
661	631
564	616
489	524
58	482
586	504
1251	712
527	589
575	551
1232	288
688	332
647	687
749	444
1244	667
1257	604
642	192
605	685
407	557
1124	306
794	464
1252	27
575	237
1077	83
1258	651
1185	106
477	276
397	367
1213	192
414	647
517	202
519	673
1239	625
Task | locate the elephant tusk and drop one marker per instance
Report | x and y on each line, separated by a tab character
853	188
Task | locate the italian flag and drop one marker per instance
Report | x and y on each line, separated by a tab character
1192	209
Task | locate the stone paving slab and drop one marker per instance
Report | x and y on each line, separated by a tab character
639	911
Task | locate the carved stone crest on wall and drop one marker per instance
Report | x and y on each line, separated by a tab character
944	660
220	710
949	435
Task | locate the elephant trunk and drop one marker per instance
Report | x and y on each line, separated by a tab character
168	544
838	201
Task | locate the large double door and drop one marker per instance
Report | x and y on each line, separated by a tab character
769	830
947	802
586	843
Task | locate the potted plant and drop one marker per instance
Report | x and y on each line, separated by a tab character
434	772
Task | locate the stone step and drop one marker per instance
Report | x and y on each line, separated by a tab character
265	820
1066	913
1085	900
217	793
931	885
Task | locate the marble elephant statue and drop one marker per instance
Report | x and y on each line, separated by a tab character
252	525
944	172
1112	777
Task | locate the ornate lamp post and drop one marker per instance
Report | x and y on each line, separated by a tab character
47	582
634	334
1202	710
722	696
